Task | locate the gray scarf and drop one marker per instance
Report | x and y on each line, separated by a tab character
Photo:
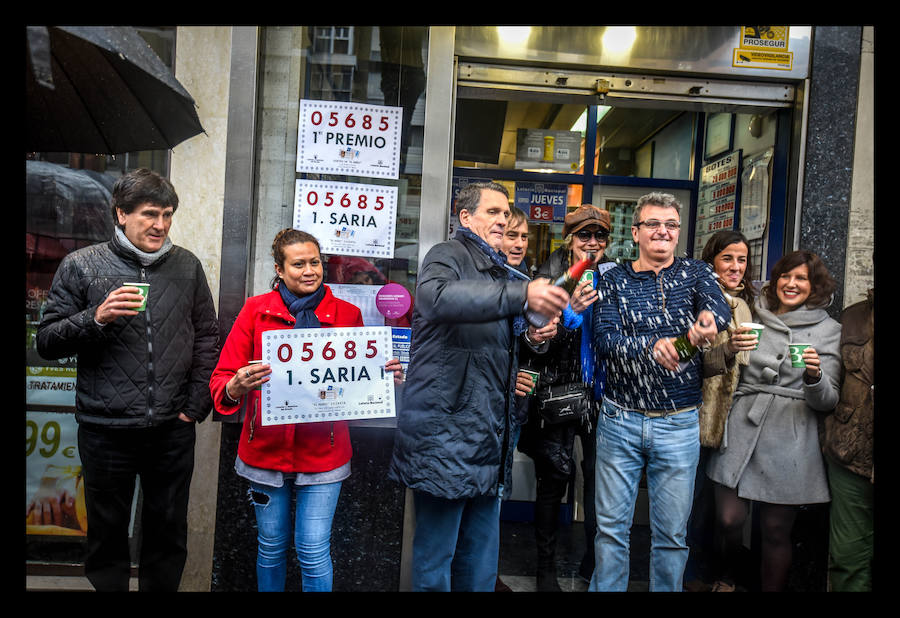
146	259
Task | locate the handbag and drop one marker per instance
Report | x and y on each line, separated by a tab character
564	403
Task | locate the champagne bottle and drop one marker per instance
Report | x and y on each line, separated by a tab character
686	350
568	281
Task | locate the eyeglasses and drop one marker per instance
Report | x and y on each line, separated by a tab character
653	224
585	235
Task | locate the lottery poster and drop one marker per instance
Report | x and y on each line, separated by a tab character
353	139
347	218
327	374
402	341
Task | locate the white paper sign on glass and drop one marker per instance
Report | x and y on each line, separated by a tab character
353	139
347	218
327	374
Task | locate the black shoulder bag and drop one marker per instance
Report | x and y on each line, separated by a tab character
564	403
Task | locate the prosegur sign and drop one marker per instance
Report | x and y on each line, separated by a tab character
763	47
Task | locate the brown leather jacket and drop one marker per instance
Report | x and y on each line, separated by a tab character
849	429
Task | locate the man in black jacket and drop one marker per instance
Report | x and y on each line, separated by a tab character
453	431
143	380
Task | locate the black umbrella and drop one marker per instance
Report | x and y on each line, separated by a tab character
102	90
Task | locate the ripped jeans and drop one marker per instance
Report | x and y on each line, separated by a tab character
668	448
315	506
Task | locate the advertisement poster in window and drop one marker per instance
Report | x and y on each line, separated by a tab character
54	493
548	150
716	198
755	195
542	202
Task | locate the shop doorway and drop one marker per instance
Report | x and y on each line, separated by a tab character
552	157
555	151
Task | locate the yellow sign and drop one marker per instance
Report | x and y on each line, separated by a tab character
763	47
764	37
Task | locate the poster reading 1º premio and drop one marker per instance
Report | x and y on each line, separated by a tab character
327	374
352	139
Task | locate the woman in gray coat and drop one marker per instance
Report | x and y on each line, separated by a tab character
770	452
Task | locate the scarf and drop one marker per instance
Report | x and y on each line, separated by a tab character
593	369
302	307
146	259
499	259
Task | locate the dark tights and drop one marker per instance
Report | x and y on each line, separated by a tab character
776	522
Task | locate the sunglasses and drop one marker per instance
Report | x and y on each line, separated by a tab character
586	235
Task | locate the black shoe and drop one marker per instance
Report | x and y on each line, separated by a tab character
586	569
547	582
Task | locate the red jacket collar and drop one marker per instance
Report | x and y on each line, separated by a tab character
326	311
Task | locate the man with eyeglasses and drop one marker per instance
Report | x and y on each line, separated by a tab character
649	418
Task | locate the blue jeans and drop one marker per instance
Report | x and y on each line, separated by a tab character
311	530
669	447
456	544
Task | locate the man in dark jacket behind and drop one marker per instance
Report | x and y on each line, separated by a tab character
849	453
142	380
453	431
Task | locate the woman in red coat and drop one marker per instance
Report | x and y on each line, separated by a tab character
307	460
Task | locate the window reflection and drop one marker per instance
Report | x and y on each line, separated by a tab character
536	136
360	64
645	143
519	135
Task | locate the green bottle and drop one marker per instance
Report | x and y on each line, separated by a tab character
686	350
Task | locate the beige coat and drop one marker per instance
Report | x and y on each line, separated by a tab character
720	376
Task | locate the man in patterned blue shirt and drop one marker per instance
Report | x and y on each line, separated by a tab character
649	416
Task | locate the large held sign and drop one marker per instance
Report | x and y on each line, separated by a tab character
327	374
353	139
348	218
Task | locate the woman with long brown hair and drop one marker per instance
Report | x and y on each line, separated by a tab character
728	252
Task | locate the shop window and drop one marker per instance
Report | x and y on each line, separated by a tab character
645	143
531	143
744	146
365	65
519	134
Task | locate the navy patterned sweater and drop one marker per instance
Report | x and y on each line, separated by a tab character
636	309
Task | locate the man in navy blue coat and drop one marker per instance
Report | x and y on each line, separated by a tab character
453	430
